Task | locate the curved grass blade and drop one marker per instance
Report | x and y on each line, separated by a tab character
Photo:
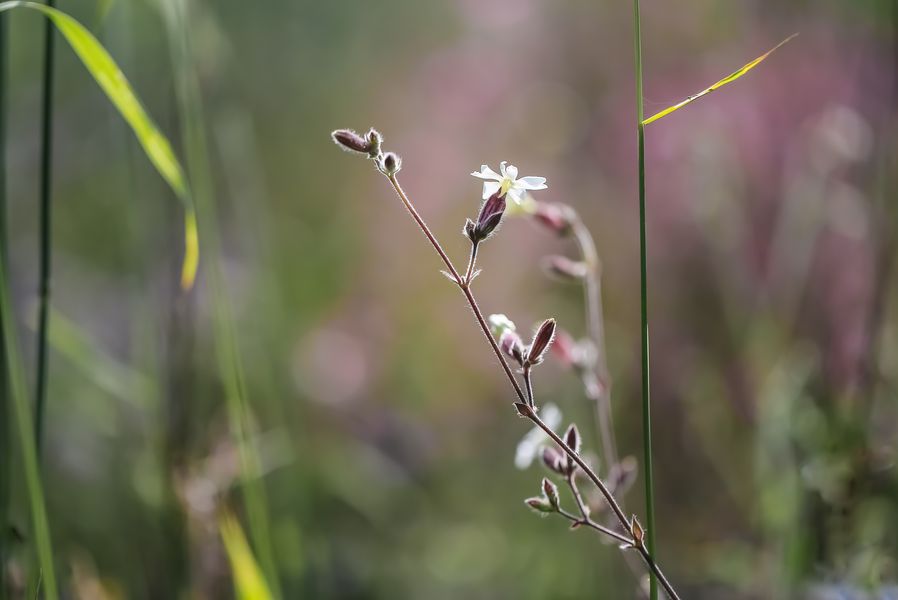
249	583
728	79
112	81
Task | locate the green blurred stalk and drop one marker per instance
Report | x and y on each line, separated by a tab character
40	391
226	347
25	427
5	429
646	396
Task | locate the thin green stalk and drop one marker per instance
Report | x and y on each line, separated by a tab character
25	426
40	390
226	346
646	397
5	429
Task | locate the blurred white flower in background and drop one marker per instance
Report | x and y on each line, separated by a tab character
531	444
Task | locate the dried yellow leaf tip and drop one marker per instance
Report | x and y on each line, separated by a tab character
249	583
191	251
728	79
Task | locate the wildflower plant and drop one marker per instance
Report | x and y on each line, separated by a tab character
560	453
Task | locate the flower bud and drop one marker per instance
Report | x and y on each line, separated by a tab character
541	341
353	142
637	532
553	460
572	438
390	163
550	490
489	218
540	505
469	230
375	140
566	269
558	218
511	344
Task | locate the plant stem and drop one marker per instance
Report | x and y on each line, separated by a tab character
5	429
471	262
524	409
40	390
592	288
646	397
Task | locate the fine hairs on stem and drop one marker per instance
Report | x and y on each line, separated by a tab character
496	189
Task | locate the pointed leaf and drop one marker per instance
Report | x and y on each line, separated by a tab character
728	79
112	81
249	583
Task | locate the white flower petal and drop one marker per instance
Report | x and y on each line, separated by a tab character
490	188
487	173
528	447
515	195
502	167
532	183
511	172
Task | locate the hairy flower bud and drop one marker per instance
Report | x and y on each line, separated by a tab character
637	531
375	140
550	490
566	269
540	505
541	341
489	218
553	460
353	142
511	344
572	438
390	163
558	218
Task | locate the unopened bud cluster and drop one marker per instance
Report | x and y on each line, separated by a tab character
370	145
488	220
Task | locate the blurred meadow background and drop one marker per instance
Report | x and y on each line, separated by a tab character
384	431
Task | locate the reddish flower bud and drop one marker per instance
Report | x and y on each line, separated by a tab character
350	140
540	505
557	217
553	460
566	269
572	438
511	344
551	492
541	341
489	218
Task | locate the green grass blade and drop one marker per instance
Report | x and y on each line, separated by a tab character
25	428
728	79
112	81
249	582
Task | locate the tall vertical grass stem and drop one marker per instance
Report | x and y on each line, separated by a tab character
40	390
646	396
5	428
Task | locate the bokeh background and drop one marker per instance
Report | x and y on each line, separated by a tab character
385	428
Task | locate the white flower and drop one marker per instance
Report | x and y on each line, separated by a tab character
508	182
531	444
500	324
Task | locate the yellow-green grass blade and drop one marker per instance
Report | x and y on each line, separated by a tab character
112	81
728	79
249	583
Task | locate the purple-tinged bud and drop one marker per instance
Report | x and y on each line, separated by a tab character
550	490
375	140
351	141
490	216
541	341
469	230
572	438
511	344
553	460
558	218
566	269
540	505
390	163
